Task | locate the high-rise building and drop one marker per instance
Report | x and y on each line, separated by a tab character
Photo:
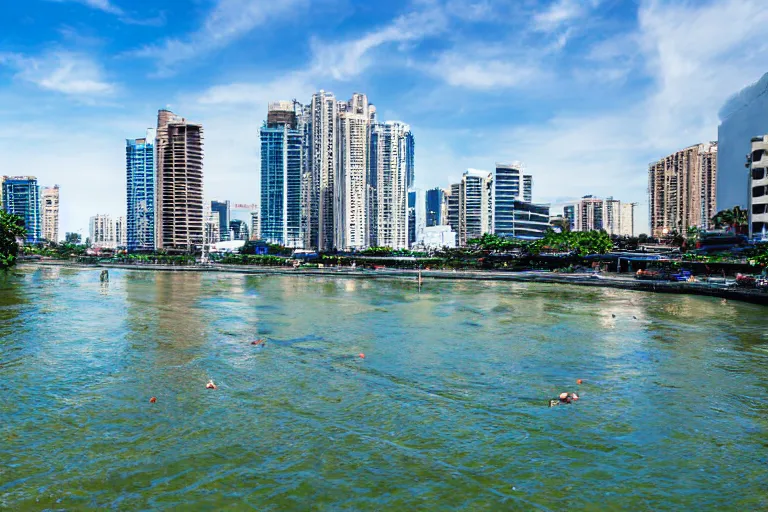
21	196
255	226
323	130
507	191
453	207
758	188
475	205
281	177
410	160
238	230
350	190
682	189
140	192
50	216
627	223
411	218
121	232
436	199
387	184
222	208
569	212
612	216
527	188
102	232
590	214
417	215
179	214
211	224
744	116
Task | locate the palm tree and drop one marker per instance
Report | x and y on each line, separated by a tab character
734	219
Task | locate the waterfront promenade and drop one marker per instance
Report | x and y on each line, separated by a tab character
716	287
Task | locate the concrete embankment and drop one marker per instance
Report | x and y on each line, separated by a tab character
625	282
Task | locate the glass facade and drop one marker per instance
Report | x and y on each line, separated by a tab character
21	196
411	218
281	173
531	221
507	192
569	212
410	170
222	208
435	199
140	175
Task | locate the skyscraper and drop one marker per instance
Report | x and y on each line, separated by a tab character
50	216
527	188
682	189
102	231
410	159
434	208
223	210
453	207
475	205
121	232
140	189
239	229
179	215
350	194
612	216
323	132
281	177
255	226
506	191
388	177
21	196
590	214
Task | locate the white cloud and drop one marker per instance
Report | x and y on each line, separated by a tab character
65	72
102	5
289	86
562	12
473	70
228	21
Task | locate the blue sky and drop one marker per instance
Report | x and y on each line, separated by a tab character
584	92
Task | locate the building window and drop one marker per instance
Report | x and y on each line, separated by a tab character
758	209
757	155
758	191
758	173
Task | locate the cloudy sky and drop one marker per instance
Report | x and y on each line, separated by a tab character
584	92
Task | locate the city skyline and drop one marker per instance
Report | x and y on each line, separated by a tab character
589	89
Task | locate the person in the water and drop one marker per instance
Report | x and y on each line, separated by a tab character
564	398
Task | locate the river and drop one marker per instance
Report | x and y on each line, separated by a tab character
446	411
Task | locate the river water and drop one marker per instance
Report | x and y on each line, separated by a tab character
447	411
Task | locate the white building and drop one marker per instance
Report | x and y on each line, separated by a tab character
436	237
758	188
102	231
475	205
388	187
324	115
627	223
351	222
121	232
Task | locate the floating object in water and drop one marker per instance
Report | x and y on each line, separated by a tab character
579	381
613	315
361	355
567	398
261	341
210	385
104	276
553	402
634	317
153	400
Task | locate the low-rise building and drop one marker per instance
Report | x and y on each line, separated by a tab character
758	187
436	237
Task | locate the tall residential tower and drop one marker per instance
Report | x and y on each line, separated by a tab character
50	215
140	177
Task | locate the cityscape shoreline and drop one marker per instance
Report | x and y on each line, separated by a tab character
604	280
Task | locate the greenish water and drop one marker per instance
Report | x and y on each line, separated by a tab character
448	410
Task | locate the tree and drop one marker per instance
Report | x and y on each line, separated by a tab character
11	229
735	220
562	223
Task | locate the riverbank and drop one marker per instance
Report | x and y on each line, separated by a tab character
607	280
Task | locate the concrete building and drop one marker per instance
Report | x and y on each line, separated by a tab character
417	215
388	179
742	117
140	192
323	131
436	237
627	223
211	225
281	177
682	189
758	188
21	196
351	189
121	232
612	216
453	206
50	214
223	209
255	226
102	232
589	214
475	205
179	213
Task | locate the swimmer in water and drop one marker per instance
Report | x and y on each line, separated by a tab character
210	385
564	398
